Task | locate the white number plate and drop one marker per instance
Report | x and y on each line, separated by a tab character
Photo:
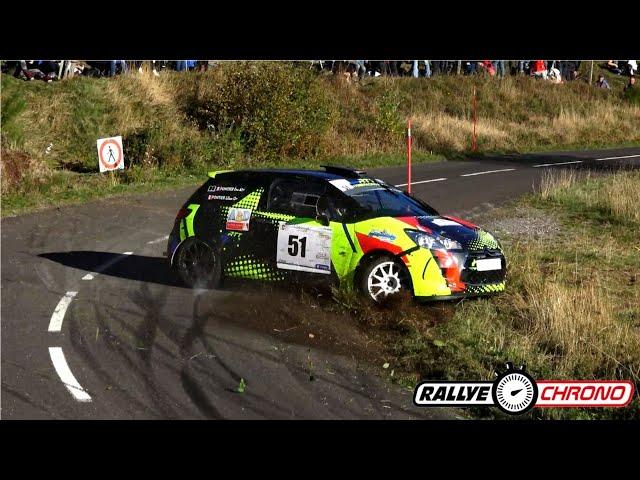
485	264
304	248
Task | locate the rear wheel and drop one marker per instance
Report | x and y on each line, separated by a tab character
198	265
383	278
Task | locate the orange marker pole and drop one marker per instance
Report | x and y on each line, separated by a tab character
474	142
409	155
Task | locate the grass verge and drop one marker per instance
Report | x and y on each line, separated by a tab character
571	309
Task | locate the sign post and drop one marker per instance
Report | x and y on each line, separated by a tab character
409	155
110	154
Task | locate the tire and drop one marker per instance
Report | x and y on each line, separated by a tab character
382	278
198	265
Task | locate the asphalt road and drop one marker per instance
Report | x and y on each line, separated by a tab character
94	326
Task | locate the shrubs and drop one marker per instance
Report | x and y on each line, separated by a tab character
277	110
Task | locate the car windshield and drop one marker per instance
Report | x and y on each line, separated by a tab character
384	200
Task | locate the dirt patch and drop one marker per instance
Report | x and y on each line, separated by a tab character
324	320
294	316
13	167
523	222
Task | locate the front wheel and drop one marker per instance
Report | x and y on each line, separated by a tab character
384	278
198	265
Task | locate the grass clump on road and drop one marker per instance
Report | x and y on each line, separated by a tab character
571	309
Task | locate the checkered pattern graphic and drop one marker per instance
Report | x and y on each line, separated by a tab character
250	201
482	241
246	266
490	288
274	216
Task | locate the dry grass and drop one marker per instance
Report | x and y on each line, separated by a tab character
571	309
441	131
618	197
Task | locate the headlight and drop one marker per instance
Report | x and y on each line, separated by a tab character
432	241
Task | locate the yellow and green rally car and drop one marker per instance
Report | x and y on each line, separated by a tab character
278	225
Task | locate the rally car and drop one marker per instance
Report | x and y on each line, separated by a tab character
337	224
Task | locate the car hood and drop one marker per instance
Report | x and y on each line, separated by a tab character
469	235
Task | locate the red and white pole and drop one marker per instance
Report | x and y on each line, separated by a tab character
409	155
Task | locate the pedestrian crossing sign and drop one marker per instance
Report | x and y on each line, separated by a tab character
110	156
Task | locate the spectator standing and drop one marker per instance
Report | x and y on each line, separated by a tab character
539	69
113	64
498	66
487	66
390	67
427	70
470	67
602	82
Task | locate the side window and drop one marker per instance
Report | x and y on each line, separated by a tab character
295	196
340	207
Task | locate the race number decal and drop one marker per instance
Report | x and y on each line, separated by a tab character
304	248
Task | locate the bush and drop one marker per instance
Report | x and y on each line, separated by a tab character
276	110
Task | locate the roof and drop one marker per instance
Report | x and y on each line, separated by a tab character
334	173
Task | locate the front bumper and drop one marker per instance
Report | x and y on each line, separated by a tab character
442	275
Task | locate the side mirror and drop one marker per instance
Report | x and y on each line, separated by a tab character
323	219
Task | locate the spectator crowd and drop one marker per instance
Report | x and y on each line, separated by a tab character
555	71
50	70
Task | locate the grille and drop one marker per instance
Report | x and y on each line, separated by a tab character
480	278
491	276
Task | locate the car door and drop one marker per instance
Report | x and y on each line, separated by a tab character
291	240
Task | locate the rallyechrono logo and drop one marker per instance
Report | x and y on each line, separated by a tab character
514	391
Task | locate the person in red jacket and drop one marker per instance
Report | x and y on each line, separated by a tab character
539	69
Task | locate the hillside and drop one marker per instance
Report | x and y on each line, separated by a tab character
180	125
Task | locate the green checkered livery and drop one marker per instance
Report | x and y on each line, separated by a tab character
276	217
482	241
246	266
250	201
491	288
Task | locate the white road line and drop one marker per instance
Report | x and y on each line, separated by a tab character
63	371
616	158
488	171
554	164
158	240
55	325
103	267
421	181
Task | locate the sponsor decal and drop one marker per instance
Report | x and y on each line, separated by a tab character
225	198
219	188
238	219
515	392
382	235
443	222
342	184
